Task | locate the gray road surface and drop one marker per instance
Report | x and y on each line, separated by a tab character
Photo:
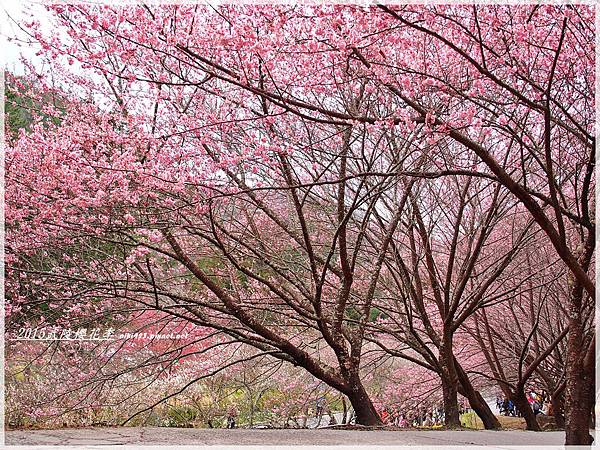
190	436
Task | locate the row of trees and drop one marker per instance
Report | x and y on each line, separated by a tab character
327	185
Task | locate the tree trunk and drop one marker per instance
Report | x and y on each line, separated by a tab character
580	360
522	404
366	414
449	384
579	388
558	404
450	394
481	408
476	400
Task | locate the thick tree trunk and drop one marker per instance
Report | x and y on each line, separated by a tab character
450	395
522	404
579	388
449	384
481	408
589	369
476	400
580	361
366	414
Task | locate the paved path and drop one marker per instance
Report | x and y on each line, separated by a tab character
100	437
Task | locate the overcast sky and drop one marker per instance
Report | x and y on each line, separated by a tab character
18	10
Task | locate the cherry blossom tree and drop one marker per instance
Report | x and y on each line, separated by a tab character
522	337
247	168
457	254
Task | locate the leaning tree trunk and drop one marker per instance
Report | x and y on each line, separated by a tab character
522	404
449	384
476	400
482	409
366	414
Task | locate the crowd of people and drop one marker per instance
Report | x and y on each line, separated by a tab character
422	416
538	402
419	417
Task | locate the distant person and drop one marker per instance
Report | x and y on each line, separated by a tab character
319	410
511	408
385	416
320	406
427	422
231	415
395	419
